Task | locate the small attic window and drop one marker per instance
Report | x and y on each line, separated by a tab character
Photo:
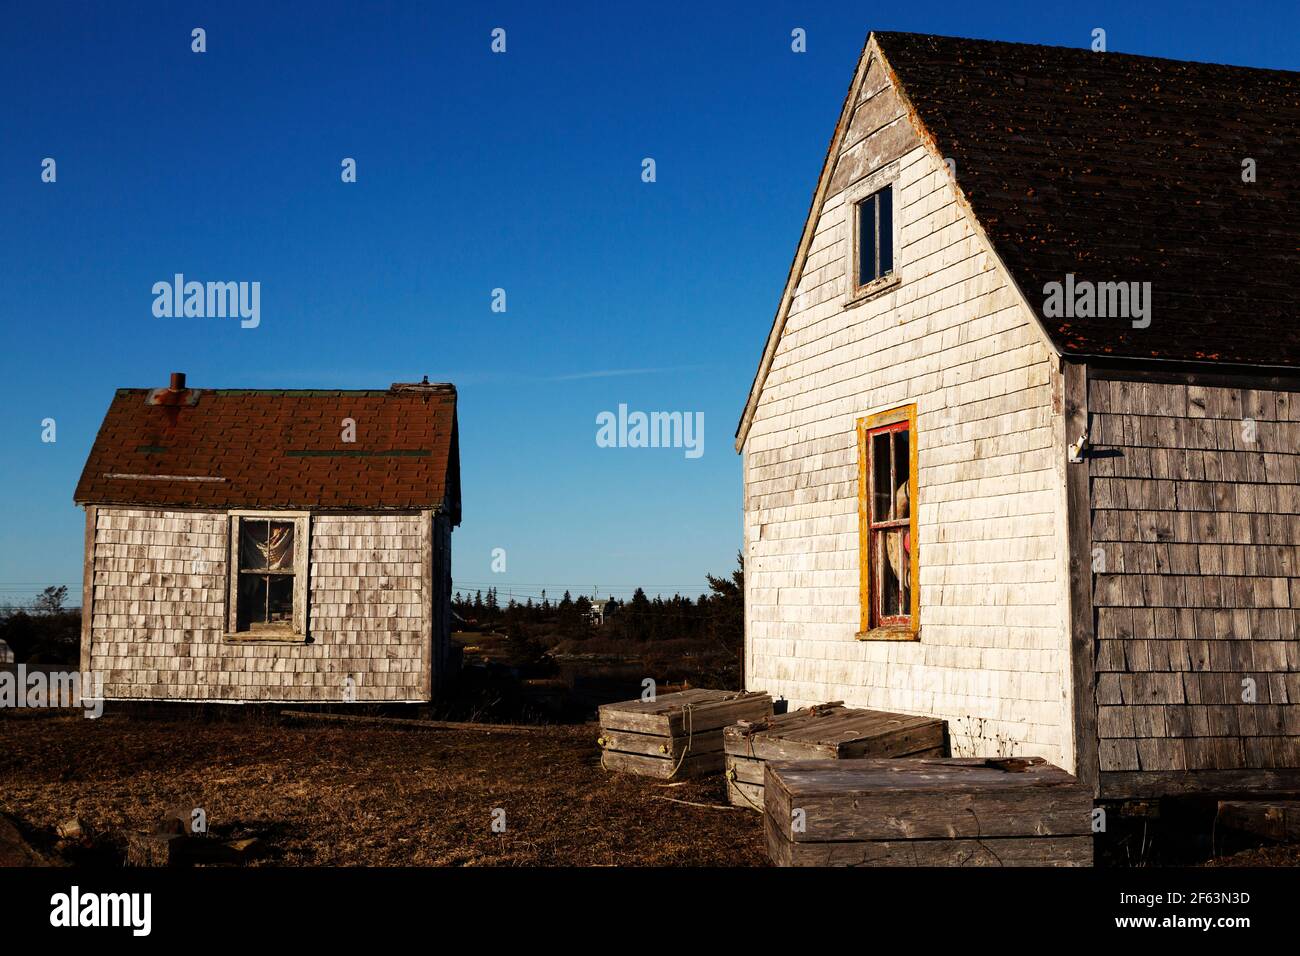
875	236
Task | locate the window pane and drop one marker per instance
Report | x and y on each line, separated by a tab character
902	466
279	546
886	232
252	544
866	240
265	545
889	571
902	539
880	510
279	605
252	600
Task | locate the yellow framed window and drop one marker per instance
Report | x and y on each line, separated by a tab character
887	530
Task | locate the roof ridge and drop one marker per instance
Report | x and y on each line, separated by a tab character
1079	49
438	387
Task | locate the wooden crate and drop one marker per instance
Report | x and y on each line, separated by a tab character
929	811
674	735
824	732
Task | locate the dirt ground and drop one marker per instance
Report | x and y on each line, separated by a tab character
319	794
323	795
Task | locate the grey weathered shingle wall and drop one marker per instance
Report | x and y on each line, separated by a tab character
1196	516
159	611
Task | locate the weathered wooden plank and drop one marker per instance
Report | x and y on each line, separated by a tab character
838	732
654	745
827	731
88	590
417	723
883	799
747	795
745	770
691	710
663	768
428	602
1120	785
871	115
1082	622
1013	851
1272	819
868	155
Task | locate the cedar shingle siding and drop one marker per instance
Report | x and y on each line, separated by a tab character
158	625
375	516
953	338
1161	573
1199	531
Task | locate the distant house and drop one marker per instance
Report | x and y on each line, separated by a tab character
989	473
597	612
6	653
271	545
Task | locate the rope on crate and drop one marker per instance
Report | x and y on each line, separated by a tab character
690	734
732	779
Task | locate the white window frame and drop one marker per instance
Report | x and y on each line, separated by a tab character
883	178
299	633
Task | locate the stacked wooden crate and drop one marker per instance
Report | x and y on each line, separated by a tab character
674	735
926	812
824	732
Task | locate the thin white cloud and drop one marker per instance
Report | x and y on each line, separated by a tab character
618	372
349	378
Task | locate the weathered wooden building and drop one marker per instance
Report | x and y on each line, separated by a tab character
271	545
1023	448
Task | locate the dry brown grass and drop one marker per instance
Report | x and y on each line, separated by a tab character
321	795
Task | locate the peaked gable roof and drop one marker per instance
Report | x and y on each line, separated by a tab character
1115	168
270	448
1128	168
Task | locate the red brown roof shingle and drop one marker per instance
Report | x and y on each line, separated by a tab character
237	448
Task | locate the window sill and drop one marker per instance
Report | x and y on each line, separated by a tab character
243	637
873	289
889	634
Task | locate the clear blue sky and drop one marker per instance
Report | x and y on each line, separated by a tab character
475	171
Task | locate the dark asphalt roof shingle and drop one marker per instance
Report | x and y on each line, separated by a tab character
1127	168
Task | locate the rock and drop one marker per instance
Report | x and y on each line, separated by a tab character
72	830
184	817
155	849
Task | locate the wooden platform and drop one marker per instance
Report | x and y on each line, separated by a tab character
826	731
674	735
927	811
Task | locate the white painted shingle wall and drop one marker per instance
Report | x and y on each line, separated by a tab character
955	339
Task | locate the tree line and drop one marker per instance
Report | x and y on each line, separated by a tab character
716	617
